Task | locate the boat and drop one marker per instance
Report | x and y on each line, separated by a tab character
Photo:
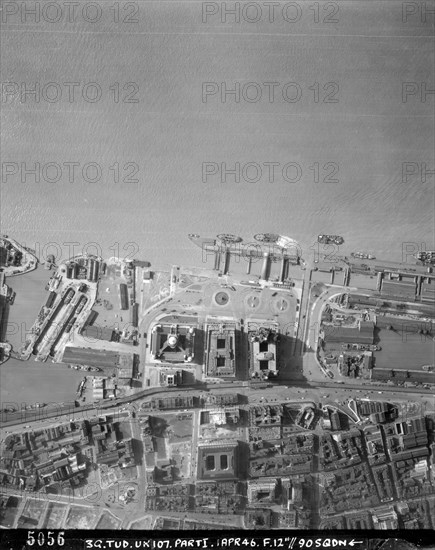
330	239
428	368
362	256
425	254
277	246
266	237
426	257
81	304
68	296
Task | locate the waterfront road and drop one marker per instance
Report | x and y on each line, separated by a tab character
109	407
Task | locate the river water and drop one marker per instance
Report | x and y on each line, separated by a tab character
345	128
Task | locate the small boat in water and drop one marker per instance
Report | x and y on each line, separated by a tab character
330	239
428	368
362	256
426	257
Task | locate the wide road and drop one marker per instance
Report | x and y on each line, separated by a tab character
387	390
88	500
30	416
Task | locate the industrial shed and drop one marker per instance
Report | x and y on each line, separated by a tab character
361	334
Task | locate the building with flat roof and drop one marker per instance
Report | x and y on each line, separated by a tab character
123	296
218	460
263	353
107	362
385	517
262	490
102	359
171	378
167	403
220	352
94	332
404	290
362	333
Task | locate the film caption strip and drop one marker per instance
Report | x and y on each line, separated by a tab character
22	539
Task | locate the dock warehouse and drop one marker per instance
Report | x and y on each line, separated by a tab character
103	359
98	333
123	296
361	334
400	289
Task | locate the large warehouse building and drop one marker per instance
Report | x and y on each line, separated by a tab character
363	333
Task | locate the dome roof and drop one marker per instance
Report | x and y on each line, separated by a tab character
172	340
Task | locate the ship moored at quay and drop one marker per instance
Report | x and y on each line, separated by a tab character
276	246
269	247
